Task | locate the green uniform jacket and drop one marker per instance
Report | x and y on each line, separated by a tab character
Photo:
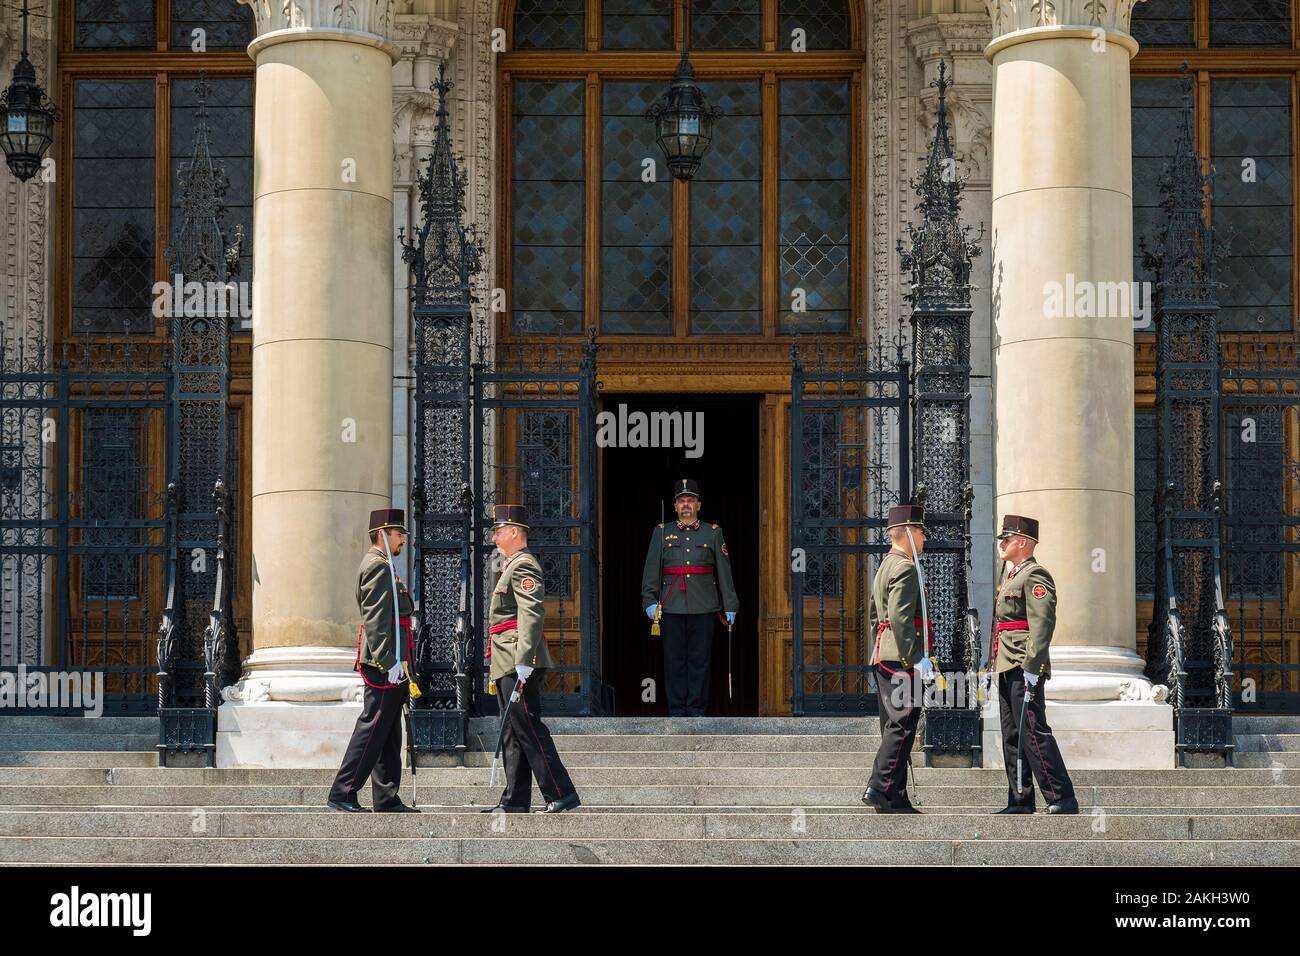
1028	595
674	545
896	598
518	596
375	599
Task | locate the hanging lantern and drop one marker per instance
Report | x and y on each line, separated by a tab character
684	119
26	117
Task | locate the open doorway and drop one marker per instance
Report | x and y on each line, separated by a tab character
636	494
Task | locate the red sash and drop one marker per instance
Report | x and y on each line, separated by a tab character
510	625
1001	626
682	570
920	623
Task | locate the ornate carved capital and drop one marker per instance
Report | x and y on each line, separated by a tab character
419	34
1009	16
363	16
958	39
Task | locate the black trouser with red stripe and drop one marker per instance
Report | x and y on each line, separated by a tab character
899	715
527	747
688	645
375	750
1041	755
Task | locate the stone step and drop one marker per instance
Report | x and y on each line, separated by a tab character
838	824
1266	724
99	759
852	772
729	726
1272	743
580	851
624	795
58	741
42	724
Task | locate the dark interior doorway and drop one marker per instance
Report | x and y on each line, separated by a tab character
636	496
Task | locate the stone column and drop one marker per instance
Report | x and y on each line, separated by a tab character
322	369
1062	241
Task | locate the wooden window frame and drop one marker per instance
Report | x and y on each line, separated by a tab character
767	66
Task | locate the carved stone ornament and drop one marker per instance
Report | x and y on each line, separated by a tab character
1011	15
365	16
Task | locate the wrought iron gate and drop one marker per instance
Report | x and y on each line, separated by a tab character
849	462
83	515
535	430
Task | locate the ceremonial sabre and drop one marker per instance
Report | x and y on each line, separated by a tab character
1020	736
505	717
728	660
398	635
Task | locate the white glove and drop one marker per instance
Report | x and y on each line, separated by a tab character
650	611
523	671
925	669
1031	680
989	678
395	673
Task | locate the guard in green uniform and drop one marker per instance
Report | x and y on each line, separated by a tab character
518	655
899	654
1024	616
375	750
685	567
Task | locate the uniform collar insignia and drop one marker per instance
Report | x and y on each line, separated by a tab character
688	527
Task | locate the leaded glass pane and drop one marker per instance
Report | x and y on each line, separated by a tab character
1250	22
815	193
1165	23
1157	110
637	24
230	141
547	207
546	459
726	24
1253	200
636	216
550	25
727	217
226	25
825	24
113	206
114	24
1144	461
114	479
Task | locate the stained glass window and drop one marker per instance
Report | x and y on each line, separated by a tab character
825	24
1157	111
726	24
547	207
550	24
113	200
230	122
226	25
1253	200
1250	22
1164	23
727	217
115	24
637	24
815	194
636	216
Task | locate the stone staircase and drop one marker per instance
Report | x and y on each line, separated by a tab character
678	791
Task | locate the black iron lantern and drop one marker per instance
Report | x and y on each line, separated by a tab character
26	117
684	119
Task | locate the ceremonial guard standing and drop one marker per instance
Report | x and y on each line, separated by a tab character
899	655
375	750
1024	616
517	653
685	566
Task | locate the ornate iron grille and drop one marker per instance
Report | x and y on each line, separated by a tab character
938	255
1189	643
1261	426
848	462
534	428
83	530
